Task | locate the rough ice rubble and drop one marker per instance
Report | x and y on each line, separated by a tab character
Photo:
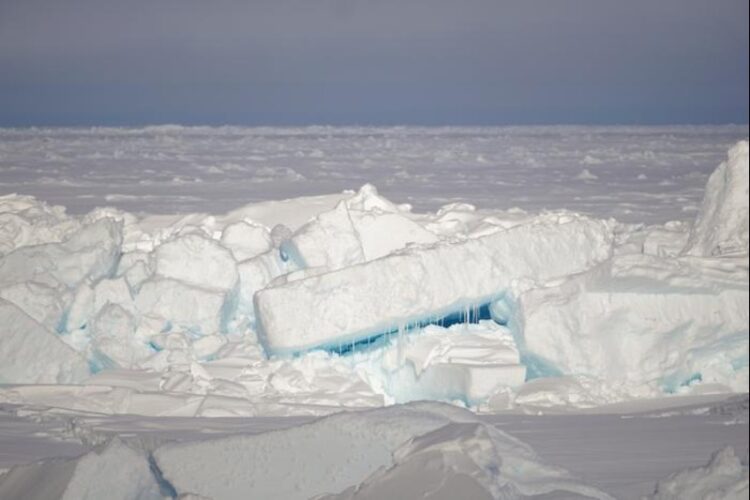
402	448
24	221
197	335
643	321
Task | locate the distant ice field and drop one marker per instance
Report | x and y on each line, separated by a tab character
634	174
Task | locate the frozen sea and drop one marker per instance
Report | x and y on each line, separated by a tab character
634	174
186	341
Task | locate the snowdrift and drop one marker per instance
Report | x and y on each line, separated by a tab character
349	300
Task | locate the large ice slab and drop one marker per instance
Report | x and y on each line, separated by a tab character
416	284
26	221
31	354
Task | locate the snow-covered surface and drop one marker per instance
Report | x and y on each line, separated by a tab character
351	301
642	174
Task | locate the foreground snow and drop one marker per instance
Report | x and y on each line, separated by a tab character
312	305
631	451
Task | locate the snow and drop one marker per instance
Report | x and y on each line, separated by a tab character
628	290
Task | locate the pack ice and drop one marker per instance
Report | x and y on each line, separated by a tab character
349	300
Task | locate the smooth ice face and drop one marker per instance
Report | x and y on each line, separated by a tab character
414	285
32	354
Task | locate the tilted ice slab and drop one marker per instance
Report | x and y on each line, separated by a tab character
113	471
417	284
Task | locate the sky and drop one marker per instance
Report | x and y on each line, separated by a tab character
373	62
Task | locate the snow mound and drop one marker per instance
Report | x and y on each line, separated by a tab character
721	227
386	448
724	477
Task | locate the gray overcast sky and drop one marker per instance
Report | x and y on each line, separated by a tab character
288	62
